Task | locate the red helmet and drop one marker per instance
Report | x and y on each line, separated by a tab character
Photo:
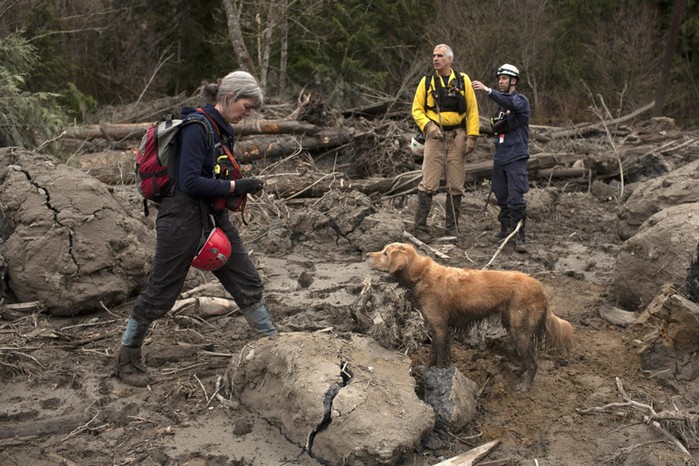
214	253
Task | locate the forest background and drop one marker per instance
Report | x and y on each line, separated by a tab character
64	62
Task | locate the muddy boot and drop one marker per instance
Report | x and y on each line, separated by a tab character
424	204
259	319
453	209
521	238
129	367
505	228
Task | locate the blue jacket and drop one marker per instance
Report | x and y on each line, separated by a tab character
513	144
195	174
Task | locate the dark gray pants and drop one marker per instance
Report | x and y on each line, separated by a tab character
510	183
179	231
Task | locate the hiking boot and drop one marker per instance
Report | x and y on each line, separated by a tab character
129	368
424	204
423	234
520	246
504	217
521	238
503	233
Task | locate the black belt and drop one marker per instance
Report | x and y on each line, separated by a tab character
452	127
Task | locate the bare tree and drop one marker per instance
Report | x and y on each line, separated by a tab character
265	40
236	36
284	47
661	93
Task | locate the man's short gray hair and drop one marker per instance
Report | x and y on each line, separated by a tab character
449	52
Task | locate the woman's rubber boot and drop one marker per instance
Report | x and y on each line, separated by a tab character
424	204
129	367
129	364
259	319
453	210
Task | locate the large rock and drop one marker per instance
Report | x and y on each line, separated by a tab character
675	188
659	253
70	242
348	401
453	396
672	347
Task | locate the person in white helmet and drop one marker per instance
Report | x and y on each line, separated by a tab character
511	128
446	111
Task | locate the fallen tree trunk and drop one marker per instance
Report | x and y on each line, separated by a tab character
248	151
596	128
479	170
113	132
540	165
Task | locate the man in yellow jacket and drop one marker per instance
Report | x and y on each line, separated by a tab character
446	111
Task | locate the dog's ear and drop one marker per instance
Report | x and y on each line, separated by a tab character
397	257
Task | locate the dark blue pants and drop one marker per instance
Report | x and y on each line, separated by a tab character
510	183
179	230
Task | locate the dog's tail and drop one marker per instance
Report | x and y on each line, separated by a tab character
559	333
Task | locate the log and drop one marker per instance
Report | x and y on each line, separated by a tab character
479	170
311	187
534	133
205	306
248	151
299	186
471	457
595	128
133	130
563	172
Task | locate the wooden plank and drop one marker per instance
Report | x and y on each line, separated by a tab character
470	457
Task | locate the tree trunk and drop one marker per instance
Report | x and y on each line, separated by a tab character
266	38
284	52
236	37
661	93
248	151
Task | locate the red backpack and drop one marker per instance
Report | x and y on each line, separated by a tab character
156	154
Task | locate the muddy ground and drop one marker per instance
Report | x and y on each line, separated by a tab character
60	404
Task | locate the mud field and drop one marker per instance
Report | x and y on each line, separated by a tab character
60	404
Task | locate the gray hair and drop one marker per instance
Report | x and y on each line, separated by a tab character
449	53
239	84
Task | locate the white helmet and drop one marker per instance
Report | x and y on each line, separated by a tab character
417	143
508	70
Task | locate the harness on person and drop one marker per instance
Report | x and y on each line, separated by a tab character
157	153
451	99
447	99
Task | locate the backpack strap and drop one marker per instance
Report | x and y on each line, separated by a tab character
237	172
228	152
430	78
210	126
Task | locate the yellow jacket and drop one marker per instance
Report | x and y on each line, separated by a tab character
422	116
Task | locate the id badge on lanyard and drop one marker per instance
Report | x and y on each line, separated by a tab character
501	139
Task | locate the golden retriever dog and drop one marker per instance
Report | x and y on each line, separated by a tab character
449	297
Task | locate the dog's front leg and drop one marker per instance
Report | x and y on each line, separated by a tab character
440	352
526	350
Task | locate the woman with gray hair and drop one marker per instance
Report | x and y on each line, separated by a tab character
193	226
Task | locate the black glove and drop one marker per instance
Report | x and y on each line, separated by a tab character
248	186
